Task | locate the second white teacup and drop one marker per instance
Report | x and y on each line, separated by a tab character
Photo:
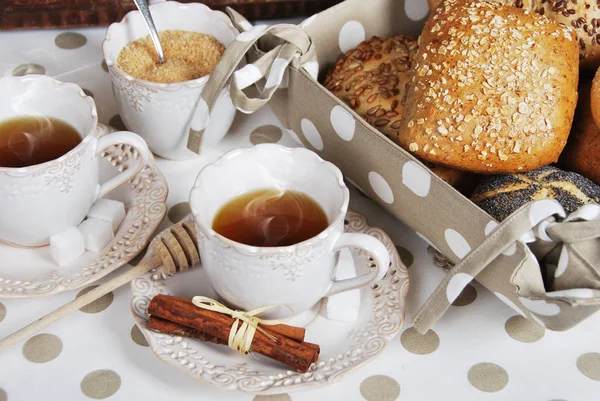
298	276
44	199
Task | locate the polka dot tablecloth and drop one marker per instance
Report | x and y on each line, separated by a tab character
478	351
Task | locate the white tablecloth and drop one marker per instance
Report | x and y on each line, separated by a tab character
478	351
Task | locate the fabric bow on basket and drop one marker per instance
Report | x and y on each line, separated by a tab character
293	46
557	283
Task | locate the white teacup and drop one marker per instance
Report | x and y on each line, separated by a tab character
247	277
39	201
160	112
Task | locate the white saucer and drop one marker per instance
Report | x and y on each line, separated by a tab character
31	272
344	346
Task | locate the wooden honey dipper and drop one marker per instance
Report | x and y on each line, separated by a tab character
174	248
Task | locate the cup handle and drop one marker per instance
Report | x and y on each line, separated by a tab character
372	246
122	137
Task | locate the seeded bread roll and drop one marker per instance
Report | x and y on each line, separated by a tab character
371	79
494	89
582	153
501	195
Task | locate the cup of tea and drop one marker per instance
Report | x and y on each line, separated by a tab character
49	149
270	221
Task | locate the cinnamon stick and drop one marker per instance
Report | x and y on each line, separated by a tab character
216	327
176	329
292	332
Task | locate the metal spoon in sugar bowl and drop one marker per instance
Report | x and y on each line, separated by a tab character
142	5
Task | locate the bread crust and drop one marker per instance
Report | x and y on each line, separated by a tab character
372	78
583	16
595	98
494	89
582	153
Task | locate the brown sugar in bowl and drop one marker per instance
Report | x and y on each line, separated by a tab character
188	55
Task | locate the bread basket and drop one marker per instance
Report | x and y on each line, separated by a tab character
504	257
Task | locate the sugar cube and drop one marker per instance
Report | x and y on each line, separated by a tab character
108	210
96	233
66	246
345	306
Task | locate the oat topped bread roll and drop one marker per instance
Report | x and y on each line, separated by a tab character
581	15
494	89
371	79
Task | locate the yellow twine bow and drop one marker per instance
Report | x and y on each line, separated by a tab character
240	339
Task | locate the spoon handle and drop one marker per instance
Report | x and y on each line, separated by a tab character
142	5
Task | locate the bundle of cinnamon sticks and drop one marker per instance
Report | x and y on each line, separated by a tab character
180	317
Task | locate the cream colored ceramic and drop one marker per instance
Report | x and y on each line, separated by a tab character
161	113
344	346
31	272
39	201
248	277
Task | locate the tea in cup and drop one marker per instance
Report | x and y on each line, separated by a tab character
49	150
270	221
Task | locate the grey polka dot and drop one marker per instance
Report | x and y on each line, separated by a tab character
138	258
28	68
100	384
116	122
2	311
70	40
420	344
3	396
42	348
273	397
523	330
379	388
467	296
88	92
138	337
266	134
405	255
98	305
104	66
589	365
178	212
488	377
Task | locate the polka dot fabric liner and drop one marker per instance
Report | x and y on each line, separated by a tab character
401	184
479	350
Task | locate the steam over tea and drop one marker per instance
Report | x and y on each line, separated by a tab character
270	217
29	140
